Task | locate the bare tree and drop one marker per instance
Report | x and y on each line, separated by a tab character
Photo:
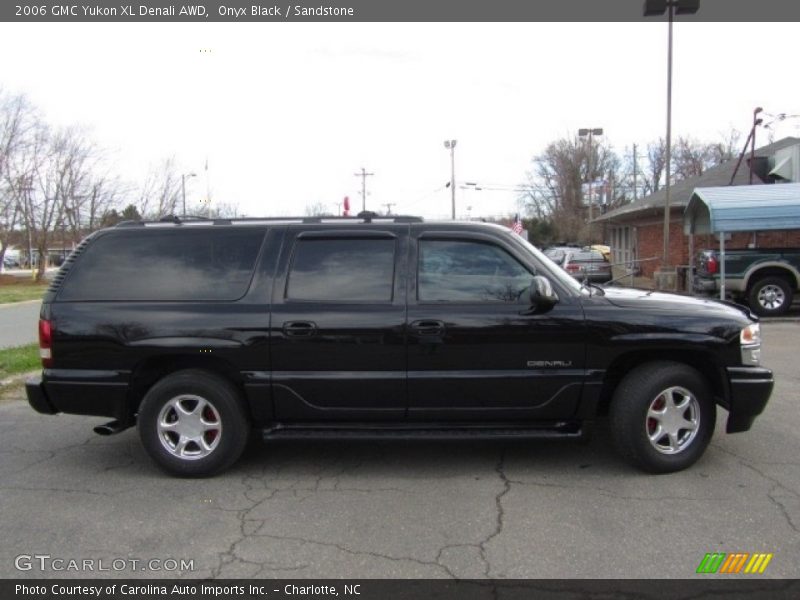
160	193
655	165
60	178
225	210
726	148
318	209
690	158
556	189
17	118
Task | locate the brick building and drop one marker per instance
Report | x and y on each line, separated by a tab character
636	231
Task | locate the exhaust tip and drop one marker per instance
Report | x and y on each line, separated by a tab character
110	428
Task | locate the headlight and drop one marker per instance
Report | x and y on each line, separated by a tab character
750	341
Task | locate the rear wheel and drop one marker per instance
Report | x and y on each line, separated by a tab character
770	296
662	417
192	423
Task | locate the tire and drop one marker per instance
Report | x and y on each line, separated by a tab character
192	424
770	296
641	419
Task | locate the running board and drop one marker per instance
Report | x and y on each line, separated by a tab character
421	432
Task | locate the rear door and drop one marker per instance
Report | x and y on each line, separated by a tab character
475	352
338	324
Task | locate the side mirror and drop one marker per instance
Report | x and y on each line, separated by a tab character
541	295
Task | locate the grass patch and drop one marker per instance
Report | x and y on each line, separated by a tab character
20	359
18	292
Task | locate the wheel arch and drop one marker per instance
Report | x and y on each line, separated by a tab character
702	362
772	269
154	368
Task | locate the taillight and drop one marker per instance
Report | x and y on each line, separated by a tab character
573	268
45	343
711	265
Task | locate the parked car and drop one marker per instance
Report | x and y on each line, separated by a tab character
558	253
588	264
602	249
766	279
203	332
9	262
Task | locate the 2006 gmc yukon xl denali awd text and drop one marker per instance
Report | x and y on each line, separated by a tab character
201	332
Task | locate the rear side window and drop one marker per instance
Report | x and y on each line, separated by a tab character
182	265
342	270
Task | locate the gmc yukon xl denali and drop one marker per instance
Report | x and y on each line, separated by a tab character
201	332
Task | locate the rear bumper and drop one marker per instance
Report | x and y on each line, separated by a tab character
37	397
94	393
701	285
750	389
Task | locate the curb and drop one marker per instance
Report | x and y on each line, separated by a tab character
10	304
18	378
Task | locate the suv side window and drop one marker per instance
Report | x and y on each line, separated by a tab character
176	265
342	270
468	271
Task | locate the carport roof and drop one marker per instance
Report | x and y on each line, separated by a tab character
743	208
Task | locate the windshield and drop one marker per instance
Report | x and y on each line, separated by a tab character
553	270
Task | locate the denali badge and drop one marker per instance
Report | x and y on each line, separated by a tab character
549	363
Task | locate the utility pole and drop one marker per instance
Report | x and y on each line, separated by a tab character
451	145
590	132
183	189
364	176
389	206
635	195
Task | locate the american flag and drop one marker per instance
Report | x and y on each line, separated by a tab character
517	226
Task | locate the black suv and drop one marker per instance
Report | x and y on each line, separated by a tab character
201	332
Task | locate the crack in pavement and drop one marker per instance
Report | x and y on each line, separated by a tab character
60	490
782	508
609	493
255	488
776	485
350	551
229	555
500	516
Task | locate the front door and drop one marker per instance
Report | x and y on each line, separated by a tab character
474	350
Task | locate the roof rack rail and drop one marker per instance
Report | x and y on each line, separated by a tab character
365	216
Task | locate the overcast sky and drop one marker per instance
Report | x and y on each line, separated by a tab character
286	113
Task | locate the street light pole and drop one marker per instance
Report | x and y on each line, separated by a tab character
183	189
665	259
451	145
589	133
672	7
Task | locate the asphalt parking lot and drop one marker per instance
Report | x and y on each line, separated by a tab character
402	509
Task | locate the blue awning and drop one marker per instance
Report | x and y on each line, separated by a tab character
743	208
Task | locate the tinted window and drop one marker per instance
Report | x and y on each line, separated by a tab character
342	270
460	271
165	265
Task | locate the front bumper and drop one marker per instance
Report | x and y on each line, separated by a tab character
750	389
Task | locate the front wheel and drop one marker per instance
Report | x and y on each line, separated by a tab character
192	423
662	417
770	296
